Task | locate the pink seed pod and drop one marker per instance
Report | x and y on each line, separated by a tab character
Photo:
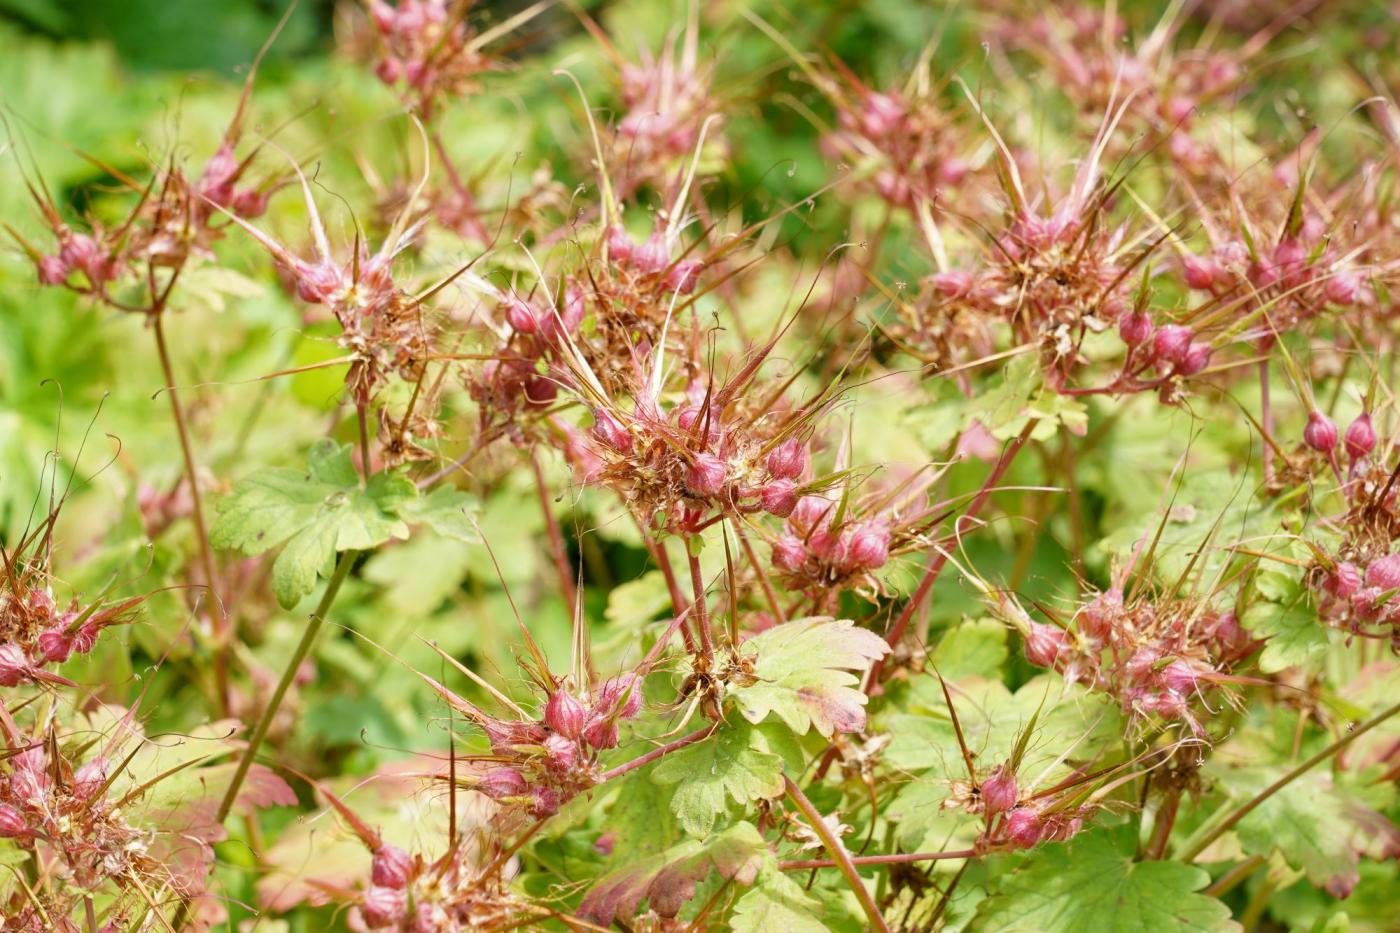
610	431
1343	581
811	512
1135	327
683	276
53	270
383	907
502	782
561	752
955	283
521	317
14	666
1320	433
999	791
825	543
1023	827
614	689
788	460
1344	288
541	391
869	545
1360	438
1201	273
1196	359
604	844
89	778
250	202
85	638
316	283
391	867
384	15
1181	677
1385	572
79	251
546	802
653	256
564	714
601	733
620	245
881	114
1232	255
1044	644
789	553
12	822
706	476
779	497
1172	343
389	70
56	645
1098	616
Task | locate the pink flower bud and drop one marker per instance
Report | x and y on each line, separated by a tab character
53	270
604	844
89	778
501	782
601	733
14	666
1201	273
811	511
546	802
391	867
1320	433
881	114
383	14
620	245
613	690
1360	438
1044	644
561	752
56	644
250	202
79	251
316	283
683	275
1181	677
999	792
1196	359
1344	288
869	546
85	638
788	460
1385	572
541	390
789	553
779	497
389	70
383	907
1023	827
1135	327
1343	581
12	822
706	476
1173	342
955	283
564	714
610	431
521	316
653	256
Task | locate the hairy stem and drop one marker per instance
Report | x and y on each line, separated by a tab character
699	735
206	556
308	636
840	857
1194	850
702	618
899	858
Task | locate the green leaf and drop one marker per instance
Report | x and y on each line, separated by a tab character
776	902
1294	634
972	649
668	880
740	763
801	674
448	511
316	513
1094	884
637	601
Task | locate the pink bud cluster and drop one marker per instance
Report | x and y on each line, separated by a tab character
1356	600
665	104
37	634
522	377
80	253
219	186
814	551
911	140
425	49
651	259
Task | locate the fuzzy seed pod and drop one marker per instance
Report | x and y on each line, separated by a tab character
85	637
614	689
56	644
1344	288
811	512
1385	572
1343	581
79	251
683	275
391	867
601	733
1172	343
564	714
620	245
250	202
383	907
14	666
546	802
389	70
999	791
869	545
1360	438
53	270
1135	327
521	317
316	283
12	822
1023	827
779	497
1320	433
788	460
561	752
1044	644
1201	273
706	475
653	256
955	283
89	778
1181	677
502	782
789	553
1196	359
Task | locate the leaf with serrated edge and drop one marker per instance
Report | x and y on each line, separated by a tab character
741	763
802	675
776	902
448	511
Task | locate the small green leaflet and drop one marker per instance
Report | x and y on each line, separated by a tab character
802	674
1092	883
776	902
667	880
1284	616
324	510
741	762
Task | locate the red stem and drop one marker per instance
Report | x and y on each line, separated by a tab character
896	859
698	735
556	540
